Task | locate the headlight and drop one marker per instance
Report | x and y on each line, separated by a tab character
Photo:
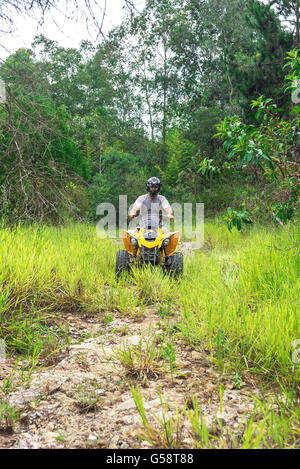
166	241
133	241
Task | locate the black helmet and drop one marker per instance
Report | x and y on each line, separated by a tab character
153	182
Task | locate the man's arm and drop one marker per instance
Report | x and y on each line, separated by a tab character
133	211
169	213
136	207
167	207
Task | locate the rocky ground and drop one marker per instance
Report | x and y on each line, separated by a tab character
84	399
58	408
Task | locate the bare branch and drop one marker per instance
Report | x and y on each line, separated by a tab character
92	11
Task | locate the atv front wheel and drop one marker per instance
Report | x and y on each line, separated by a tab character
175	269
122	263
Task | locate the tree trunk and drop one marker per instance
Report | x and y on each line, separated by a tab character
148	103
164	123
101	153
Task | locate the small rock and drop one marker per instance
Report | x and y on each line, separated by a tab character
92	438
127	405
120	422
133	340
185	375
183	363
232	395
50	436
22	444
100	392
124	445
21	398
196	355
150	404
221	418
24	417
114	441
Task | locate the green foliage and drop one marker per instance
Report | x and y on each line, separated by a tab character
154	89
38	155
235	218
237	379
181	150
209	169
283	212
290	10
180	178
121	174
271	147
257	67
8	414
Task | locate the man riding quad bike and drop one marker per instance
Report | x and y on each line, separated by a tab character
151	242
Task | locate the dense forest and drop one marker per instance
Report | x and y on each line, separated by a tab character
198	93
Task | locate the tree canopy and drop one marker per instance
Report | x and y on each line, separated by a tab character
80	125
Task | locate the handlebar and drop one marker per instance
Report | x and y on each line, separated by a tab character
148	225
136	217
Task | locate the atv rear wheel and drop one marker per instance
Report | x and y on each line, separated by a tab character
122	263
175	269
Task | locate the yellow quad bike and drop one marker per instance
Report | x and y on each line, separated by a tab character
150	246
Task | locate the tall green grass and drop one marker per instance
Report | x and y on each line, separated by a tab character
46	270
239	296
248	285
245	285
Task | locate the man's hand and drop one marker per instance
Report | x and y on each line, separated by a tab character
133	212
170	213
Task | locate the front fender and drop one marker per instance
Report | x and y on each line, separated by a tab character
175	238
126	240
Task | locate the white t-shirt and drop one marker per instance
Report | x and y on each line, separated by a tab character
151	209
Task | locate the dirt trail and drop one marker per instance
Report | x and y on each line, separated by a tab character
53	416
